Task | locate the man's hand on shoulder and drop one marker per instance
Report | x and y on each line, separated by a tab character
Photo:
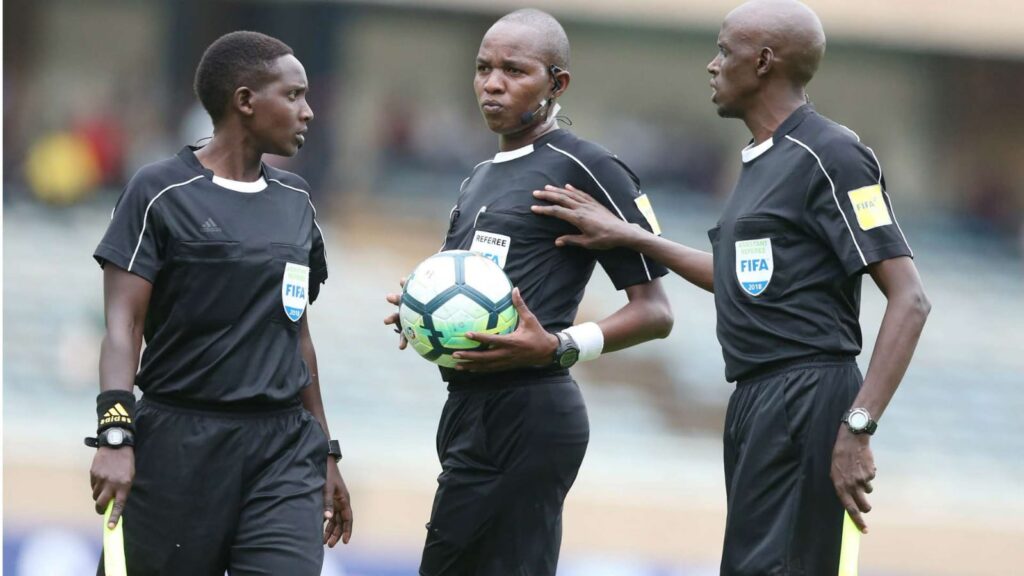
599	228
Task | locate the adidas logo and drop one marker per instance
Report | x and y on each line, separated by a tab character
210	226
116	415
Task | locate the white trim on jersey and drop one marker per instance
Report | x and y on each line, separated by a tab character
643	260
310	200
834	197
145	216
892	211
240	186
471	172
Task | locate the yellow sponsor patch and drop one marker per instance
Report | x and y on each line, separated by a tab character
870	207
644	204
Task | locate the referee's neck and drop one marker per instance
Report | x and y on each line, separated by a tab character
769	113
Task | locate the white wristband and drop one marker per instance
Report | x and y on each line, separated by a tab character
589	338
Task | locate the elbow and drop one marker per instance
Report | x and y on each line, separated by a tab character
662	321
918	305
922	305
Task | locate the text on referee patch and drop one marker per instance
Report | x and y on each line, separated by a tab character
295	290
869	206
754	265
491	246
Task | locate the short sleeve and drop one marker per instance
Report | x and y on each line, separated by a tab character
317	261
136	238
615	186
851	211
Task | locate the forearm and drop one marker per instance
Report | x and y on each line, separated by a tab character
695	266
119	355
898	335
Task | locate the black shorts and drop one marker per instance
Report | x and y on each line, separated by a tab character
784	516
508	458
216	491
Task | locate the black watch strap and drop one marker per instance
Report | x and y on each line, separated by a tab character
334	450
114	437
568	352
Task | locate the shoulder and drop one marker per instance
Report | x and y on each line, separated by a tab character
578	149
593	158
287	179
157	178
835	146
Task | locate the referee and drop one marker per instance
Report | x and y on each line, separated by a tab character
514	430
808	217
212	257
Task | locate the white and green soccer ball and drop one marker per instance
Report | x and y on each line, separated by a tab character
449	294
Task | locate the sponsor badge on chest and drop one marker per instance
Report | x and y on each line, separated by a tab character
294	290
492	246
754	265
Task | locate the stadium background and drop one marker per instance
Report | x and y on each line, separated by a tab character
92	90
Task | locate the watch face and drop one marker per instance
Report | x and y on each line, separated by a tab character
115	436
858	420
569	358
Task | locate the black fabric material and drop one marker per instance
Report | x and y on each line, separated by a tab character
509	457
784	518
107	415
796	195
496	199
217	491
216	328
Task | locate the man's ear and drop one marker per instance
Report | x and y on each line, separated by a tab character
241	100
561	83
765	61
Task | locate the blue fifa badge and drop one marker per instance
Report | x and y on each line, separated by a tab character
294	290
754	265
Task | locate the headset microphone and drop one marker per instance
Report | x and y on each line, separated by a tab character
528	117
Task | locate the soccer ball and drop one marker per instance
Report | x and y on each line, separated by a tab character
449	294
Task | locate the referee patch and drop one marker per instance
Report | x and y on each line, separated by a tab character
870	207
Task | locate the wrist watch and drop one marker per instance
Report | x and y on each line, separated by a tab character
859	421
334	450
111	438
567	352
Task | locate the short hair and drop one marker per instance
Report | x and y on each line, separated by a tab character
556	45
235	59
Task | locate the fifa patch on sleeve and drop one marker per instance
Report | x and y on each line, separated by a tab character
644	204
870	207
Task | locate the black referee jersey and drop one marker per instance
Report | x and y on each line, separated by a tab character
810	212
493	217
232	272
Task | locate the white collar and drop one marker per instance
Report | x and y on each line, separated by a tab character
526	150
237	186
751	152
513	154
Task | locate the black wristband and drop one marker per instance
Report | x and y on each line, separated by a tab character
334	450
115	408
